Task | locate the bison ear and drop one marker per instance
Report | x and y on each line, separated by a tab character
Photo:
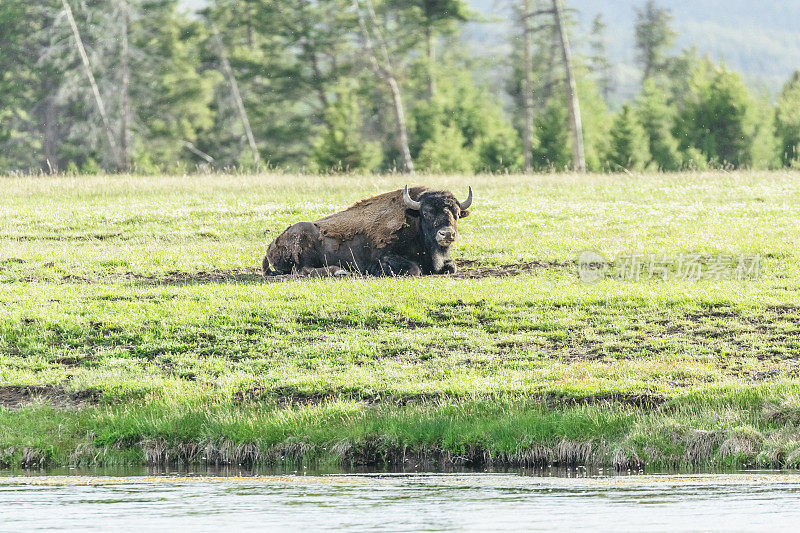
464	213
412	213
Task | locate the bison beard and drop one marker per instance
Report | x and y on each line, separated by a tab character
402	232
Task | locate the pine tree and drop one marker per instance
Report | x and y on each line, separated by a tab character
445	152
170	97
788	122
542	60
654	37
434	18
486	135
288	59
31	107
145	60
595	120
657	119
717	117
765	152
598	60
628	150
552	150
342	146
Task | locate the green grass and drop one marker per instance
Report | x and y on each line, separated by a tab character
135	305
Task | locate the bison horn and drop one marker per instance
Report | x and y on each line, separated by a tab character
411	204
468	202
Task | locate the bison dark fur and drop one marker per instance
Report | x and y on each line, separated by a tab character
402	232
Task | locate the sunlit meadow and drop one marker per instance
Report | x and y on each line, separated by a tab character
135	326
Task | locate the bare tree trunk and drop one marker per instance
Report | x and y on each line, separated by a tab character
527	87
431	44
124	65
251	40
573	105
88	68
310	51
323	97
50	137
196	151
555	43
237	96
383	69
400	120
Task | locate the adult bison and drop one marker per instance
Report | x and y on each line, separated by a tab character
402	232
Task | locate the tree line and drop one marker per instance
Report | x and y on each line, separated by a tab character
363	85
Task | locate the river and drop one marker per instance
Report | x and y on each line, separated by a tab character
746	501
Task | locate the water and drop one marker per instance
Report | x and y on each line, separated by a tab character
402	502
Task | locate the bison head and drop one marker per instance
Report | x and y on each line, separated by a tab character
439	212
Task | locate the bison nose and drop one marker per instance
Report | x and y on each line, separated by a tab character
446	236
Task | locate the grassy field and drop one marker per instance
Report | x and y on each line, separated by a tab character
135	327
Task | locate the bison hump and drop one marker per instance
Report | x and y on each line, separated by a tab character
380	218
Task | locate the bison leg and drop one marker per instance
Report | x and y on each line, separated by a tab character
449	267
395	265
324	272
297	247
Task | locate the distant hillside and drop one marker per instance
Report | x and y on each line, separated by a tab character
760	39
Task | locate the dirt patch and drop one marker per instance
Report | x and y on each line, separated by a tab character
177	277
71	278
172	277
467	269
16	396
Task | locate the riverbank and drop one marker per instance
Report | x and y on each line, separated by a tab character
135	327
725	428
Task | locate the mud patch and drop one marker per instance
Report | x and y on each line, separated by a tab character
172	277
17	396
176	277
470	269
467	269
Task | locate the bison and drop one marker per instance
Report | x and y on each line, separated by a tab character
404	232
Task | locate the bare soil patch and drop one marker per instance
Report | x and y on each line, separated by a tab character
467	269
16	396
177	277
172	277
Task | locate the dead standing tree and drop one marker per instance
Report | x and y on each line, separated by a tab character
101	108
561	40
527	86
383	69
573	105
237	98
125	71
